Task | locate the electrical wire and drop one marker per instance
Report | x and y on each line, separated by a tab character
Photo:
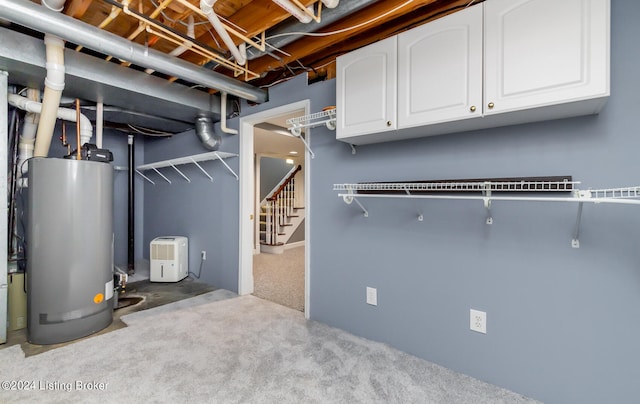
149	132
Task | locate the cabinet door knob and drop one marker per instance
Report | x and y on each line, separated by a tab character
490	105
473	108
388	123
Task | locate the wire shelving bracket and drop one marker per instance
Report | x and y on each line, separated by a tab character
627	195
326	117
193	159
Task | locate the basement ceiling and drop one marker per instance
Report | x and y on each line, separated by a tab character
288	49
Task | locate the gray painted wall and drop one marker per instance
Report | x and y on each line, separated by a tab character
561	322
203	210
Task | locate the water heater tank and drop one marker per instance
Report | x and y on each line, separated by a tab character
70	249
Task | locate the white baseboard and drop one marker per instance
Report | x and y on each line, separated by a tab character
294	245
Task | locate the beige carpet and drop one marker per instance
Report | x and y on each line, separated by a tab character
242	350
280	277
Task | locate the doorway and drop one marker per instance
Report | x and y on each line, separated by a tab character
249	243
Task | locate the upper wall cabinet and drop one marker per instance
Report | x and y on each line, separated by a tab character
366	83
497	63
545	52
440	70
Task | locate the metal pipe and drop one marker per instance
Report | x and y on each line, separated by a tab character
130	217
41	19
78	145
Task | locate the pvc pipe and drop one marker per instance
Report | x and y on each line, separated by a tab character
41	19
54	84
67	114
28	135
185	45
54	5
223	116
239	53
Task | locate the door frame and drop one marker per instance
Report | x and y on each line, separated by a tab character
247	197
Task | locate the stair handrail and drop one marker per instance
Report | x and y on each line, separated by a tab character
274	195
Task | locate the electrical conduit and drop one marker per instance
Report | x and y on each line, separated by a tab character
54	84
239	53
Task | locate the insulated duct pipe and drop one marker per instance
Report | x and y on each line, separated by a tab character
67	114
239	53
206	133
39	18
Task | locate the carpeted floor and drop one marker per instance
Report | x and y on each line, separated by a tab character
280	277
237	350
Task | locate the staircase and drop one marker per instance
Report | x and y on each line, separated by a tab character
279	215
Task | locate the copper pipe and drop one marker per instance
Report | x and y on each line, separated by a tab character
64	138
79	157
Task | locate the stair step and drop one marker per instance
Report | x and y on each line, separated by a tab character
293	215
265	243
286	224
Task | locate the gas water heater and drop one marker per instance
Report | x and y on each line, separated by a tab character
70	249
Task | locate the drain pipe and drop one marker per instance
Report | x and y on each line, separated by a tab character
239	53
28	135
67	114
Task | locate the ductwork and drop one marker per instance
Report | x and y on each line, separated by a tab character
329	16
41	19
185	45
239	53
67	114
206	133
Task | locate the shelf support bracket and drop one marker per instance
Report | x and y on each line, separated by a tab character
145	177
160	174
366	213
575	242
180	172
353	148
487	202
227	165
202	169
420	216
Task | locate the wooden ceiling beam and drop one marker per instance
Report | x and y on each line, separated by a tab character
316	45
77	8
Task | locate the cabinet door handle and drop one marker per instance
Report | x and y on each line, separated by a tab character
473	108
490	105
388	123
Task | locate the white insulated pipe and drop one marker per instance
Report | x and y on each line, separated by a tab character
99	123
28	134
54	84
239	53
67	114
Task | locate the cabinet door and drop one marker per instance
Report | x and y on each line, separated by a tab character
366	90
545	52
440	70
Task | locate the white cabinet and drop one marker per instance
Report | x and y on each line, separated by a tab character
545	52
366	90
440	70
497	63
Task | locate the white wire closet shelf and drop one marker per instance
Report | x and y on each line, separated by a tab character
326	117
195	159
515	190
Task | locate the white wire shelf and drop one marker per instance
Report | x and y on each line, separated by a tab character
326	117
193	159
420	190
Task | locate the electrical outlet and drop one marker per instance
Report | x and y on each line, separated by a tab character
203	255
478	321
372	296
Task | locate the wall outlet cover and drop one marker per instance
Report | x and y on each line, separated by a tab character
478	321
372	296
